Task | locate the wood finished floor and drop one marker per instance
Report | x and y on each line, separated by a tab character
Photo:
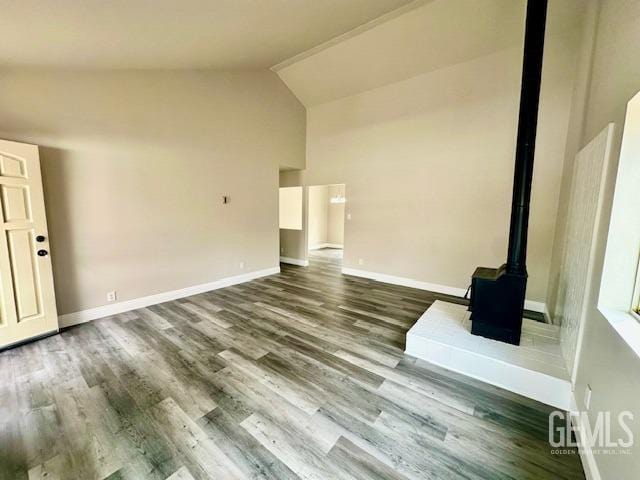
297	375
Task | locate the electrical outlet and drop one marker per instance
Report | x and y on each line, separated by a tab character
360	261
348	216
241	265
111	296
587	397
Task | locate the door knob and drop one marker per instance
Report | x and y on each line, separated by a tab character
42	253
40	238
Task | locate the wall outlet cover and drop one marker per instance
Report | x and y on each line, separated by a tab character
111	296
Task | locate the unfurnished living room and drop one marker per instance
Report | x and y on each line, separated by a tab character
319	239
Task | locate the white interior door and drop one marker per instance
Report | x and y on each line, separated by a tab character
27	300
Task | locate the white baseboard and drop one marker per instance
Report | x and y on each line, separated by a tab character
405	282
589	465
325	245
432	287
83	316
294	261
539	307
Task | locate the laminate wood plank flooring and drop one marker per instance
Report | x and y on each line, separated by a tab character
299	375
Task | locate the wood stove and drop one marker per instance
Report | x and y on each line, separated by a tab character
497	294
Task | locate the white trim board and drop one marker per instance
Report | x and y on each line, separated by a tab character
325	245
532	305
587	458
83	316
625	324
295	261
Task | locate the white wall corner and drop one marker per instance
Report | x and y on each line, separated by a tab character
295	261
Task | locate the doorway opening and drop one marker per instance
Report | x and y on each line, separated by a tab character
326	215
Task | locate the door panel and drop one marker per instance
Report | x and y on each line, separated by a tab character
15	203
25	273
11	166
27	301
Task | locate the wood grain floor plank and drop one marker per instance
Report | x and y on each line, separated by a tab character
192	442
360	464
255	461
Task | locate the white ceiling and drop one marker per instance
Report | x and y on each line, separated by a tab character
143	34
413	41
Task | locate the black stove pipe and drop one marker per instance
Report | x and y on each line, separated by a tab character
527	128
498	294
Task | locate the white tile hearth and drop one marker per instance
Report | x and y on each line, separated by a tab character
535	368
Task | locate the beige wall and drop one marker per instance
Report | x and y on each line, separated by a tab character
135	165
335	217
573	145
607	363
422	155
318	215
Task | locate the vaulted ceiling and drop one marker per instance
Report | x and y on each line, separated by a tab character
142	34
412	41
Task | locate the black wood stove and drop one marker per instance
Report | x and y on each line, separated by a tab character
497	294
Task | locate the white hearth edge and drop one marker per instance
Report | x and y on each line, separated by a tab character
534	369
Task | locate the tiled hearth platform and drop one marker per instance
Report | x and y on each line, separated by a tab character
535	368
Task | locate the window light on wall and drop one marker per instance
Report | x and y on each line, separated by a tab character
291	208
619	300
